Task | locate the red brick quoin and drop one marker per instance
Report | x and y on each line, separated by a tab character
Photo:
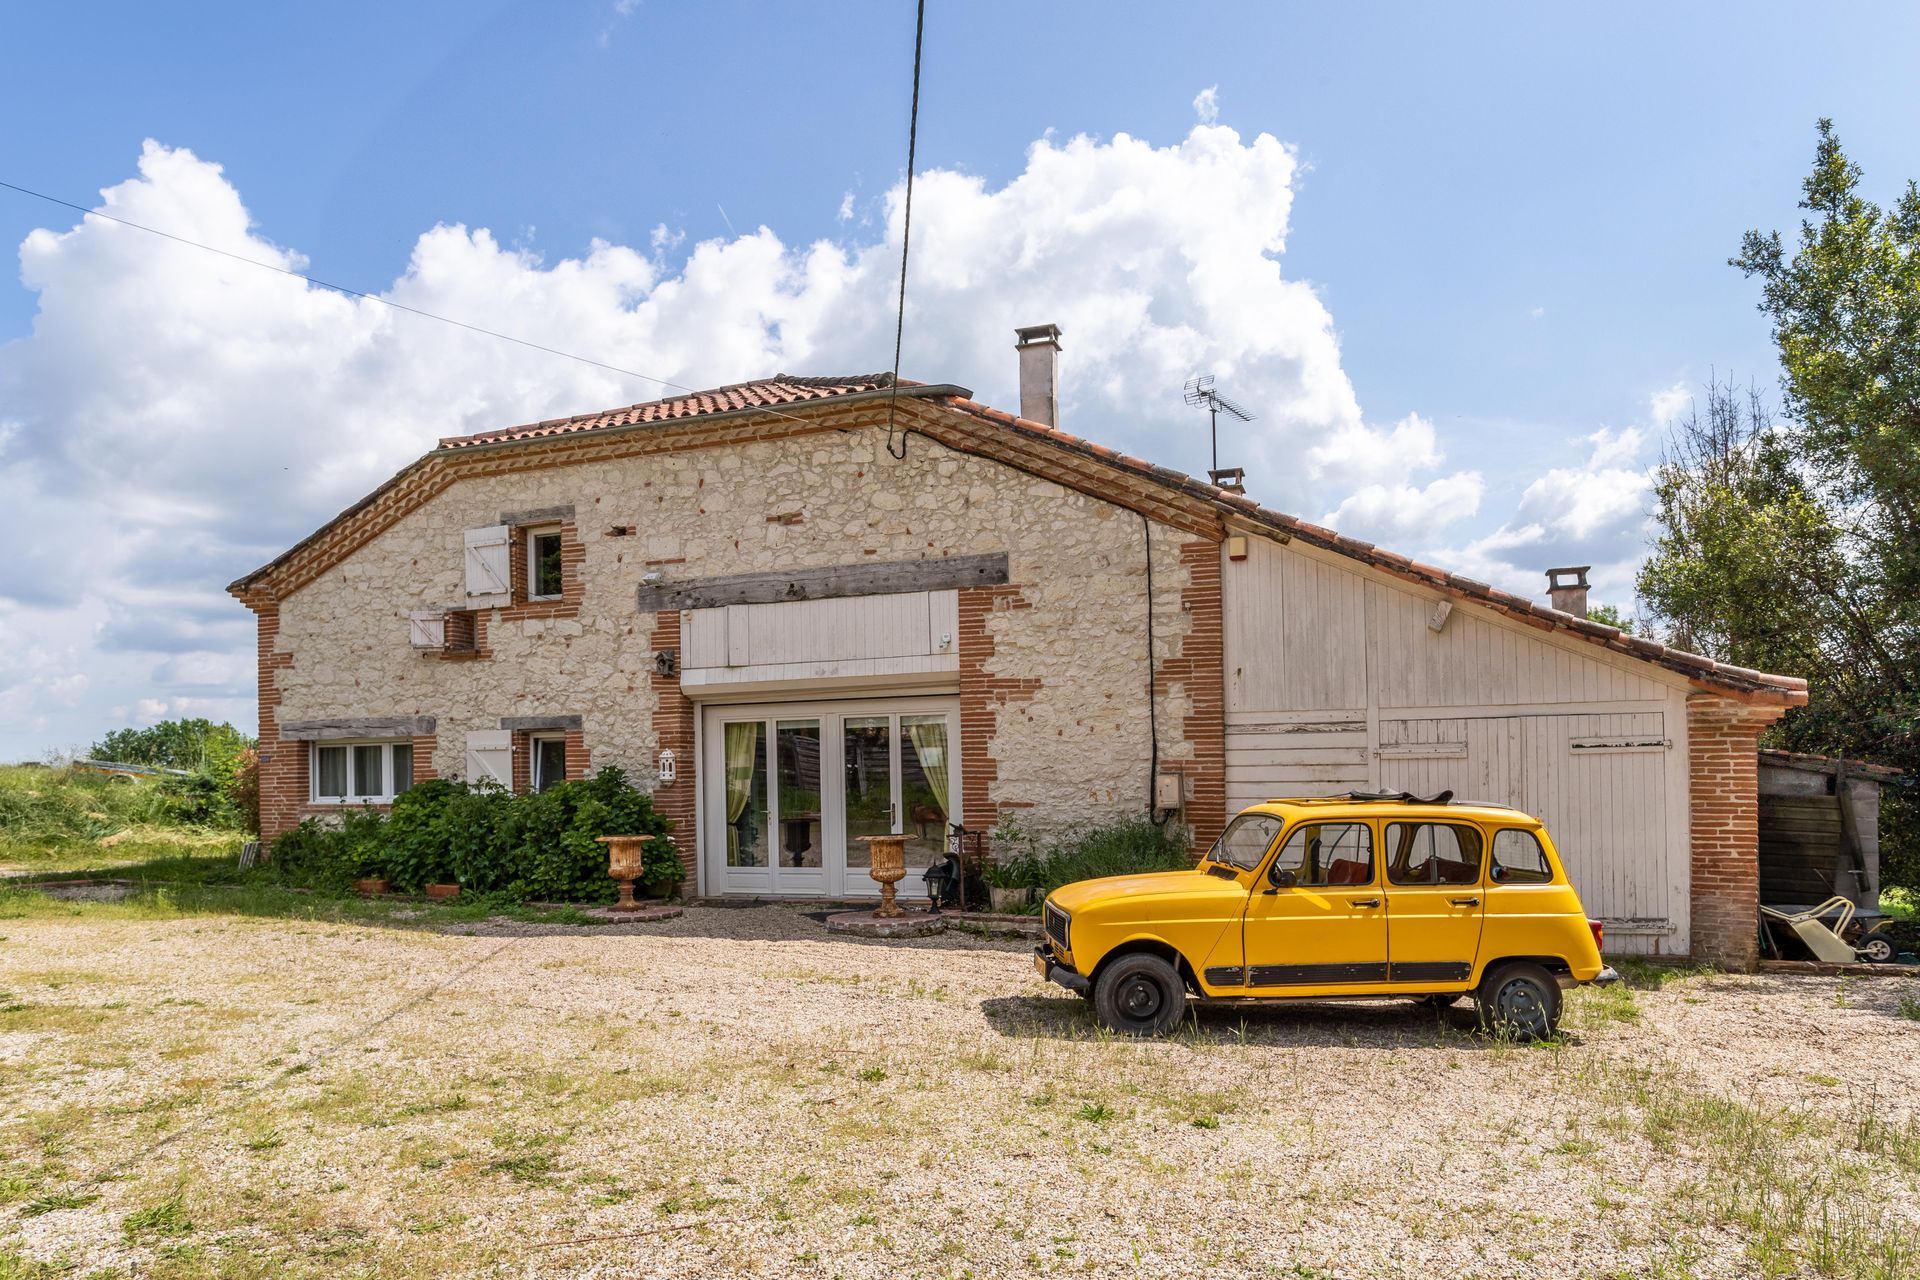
1723	788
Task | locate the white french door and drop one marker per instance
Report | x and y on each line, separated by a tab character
788	789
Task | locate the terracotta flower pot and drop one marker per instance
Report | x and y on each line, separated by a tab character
372	887
443	891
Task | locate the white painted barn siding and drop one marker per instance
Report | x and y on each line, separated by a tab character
1335	681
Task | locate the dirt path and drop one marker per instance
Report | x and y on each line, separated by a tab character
738	1093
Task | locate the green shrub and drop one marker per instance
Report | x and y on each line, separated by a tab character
1127	847
540	847
46	807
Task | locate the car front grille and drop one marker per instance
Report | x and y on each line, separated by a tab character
1056	925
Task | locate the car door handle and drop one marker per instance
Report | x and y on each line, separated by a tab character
1363	902
1464	902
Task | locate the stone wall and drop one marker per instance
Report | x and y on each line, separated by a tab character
1060	651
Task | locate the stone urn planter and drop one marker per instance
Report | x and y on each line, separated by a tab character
625	863
443	891
887	863
372	887
1008	901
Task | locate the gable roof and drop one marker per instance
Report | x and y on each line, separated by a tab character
1014	441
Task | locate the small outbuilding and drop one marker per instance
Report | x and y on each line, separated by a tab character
1820	830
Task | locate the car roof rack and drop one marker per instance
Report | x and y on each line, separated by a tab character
1402	797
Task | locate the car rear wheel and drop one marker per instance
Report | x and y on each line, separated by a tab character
1519	1000
1139	995
1879	948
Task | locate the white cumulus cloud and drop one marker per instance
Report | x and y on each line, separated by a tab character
175	418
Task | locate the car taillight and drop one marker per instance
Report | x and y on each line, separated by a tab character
1599	928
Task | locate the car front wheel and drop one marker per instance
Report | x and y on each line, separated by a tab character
1519	1000
1139	995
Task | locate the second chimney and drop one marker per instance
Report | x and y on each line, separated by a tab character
1569	596
1039	348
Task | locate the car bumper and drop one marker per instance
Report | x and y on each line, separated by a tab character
1052	970
1606	977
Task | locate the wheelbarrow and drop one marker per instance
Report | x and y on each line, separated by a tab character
1828	941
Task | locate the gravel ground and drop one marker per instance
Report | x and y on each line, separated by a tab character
737	1092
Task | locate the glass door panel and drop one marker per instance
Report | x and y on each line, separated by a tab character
867	770
745	801
924	795
797	777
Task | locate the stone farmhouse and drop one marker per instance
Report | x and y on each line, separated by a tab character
798	628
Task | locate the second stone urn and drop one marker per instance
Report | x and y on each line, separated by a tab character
625	863
887	863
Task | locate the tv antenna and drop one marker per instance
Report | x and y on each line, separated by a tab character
1200	391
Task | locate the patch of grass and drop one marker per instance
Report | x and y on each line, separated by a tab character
1909	1008
1641	974
56	1202
533	1168
871	1075
167	1218
1205	1122
1095	1112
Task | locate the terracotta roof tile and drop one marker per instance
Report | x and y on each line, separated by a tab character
766	393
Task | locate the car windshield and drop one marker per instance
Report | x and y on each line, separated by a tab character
1246	841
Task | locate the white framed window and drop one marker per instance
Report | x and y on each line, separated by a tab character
361	772
549	764
543	563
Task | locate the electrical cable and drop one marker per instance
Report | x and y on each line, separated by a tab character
1153	714
906	233
401	306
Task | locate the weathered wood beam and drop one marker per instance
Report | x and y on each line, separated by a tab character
828	582
362	727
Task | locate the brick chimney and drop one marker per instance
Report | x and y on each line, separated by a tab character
1567	589
1039	348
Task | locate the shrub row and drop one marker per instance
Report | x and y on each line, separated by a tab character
1123	848
53	806
540	847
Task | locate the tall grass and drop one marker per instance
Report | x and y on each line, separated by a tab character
1127	847
48	807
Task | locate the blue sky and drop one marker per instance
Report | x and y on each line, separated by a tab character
1501	238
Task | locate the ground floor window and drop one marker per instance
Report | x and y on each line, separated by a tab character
549	761
361	772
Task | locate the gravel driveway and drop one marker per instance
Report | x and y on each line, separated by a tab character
736	1092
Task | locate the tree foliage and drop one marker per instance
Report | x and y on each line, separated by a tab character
174	744
1792	546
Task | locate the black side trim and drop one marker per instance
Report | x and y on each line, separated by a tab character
1432	971
1308	975
1225	976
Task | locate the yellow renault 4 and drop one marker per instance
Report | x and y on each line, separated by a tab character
1367	894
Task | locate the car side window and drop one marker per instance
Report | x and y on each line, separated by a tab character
1519	859
1328	853
1433	853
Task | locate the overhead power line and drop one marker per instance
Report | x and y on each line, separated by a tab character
906	226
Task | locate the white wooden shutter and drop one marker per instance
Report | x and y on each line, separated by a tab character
428	628
489	576
490	756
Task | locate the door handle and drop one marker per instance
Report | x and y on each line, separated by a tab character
1363	902
1464	902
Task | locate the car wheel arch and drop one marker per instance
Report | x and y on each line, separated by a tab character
1153	947
1555	965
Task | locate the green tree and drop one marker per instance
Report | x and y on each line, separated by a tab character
1610	615
1793	546
176	744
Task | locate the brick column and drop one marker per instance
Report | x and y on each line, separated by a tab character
982	694
283	765
673	726
1199	671
1723	794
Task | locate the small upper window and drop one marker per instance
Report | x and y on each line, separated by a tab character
1328	853
1246	842
361	772
1519	859
1433	853
549	762
543	563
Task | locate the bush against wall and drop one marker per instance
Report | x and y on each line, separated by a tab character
1123	848
541	847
